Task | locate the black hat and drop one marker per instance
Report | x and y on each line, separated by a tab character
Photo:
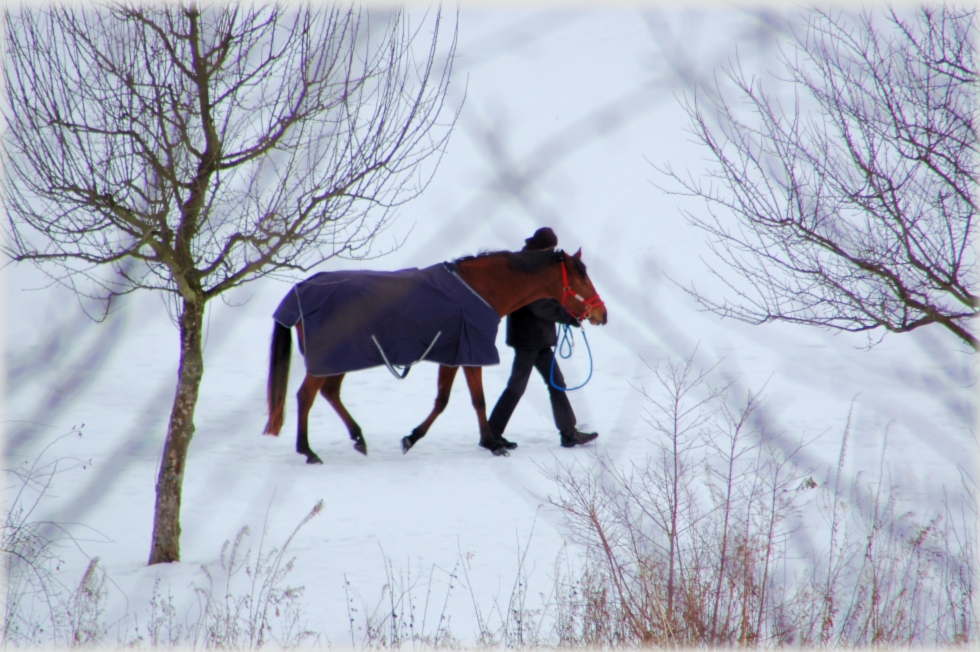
543	238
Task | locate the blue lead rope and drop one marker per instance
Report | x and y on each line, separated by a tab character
560	350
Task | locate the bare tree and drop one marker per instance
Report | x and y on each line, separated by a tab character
853	186
213	146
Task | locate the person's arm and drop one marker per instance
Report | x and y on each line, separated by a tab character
552	311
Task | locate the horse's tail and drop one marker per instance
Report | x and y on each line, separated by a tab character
282	347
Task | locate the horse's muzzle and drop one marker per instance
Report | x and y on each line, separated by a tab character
598	316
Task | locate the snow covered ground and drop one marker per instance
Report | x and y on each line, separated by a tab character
565	111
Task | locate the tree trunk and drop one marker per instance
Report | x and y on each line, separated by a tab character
166	519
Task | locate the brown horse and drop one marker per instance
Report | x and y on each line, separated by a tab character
506	281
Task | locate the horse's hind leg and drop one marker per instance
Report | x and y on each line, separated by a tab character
306	395
446	377
331	392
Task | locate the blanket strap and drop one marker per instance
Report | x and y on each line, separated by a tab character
408	367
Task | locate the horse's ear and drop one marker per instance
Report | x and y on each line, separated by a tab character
577	254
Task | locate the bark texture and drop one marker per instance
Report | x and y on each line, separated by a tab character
166	518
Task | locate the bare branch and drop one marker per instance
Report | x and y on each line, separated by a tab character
852	187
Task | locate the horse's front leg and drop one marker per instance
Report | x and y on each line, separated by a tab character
306	395
474	380
446	377
331	392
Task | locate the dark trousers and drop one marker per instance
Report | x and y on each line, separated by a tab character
524	361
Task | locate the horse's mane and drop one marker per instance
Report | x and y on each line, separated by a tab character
526	262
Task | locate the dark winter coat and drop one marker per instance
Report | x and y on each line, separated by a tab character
533	326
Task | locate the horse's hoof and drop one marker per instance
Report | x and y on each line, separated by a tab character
407	444
361	446
312	458
509	445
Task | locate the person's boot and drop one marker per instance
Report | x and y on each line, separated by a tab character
574	437
506	443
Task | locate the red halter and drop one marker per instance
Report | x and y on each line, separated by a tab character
590	303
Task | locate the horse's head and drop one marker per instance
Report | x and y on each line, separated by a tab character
579	297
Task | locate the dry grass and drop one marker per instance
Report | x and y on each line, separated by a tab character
41	606
243	603
716	538
713	540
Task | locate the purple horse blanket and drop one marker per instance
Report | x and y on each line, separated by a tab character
350	318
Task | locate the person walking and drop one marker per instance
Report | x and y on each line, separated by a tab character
531	332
